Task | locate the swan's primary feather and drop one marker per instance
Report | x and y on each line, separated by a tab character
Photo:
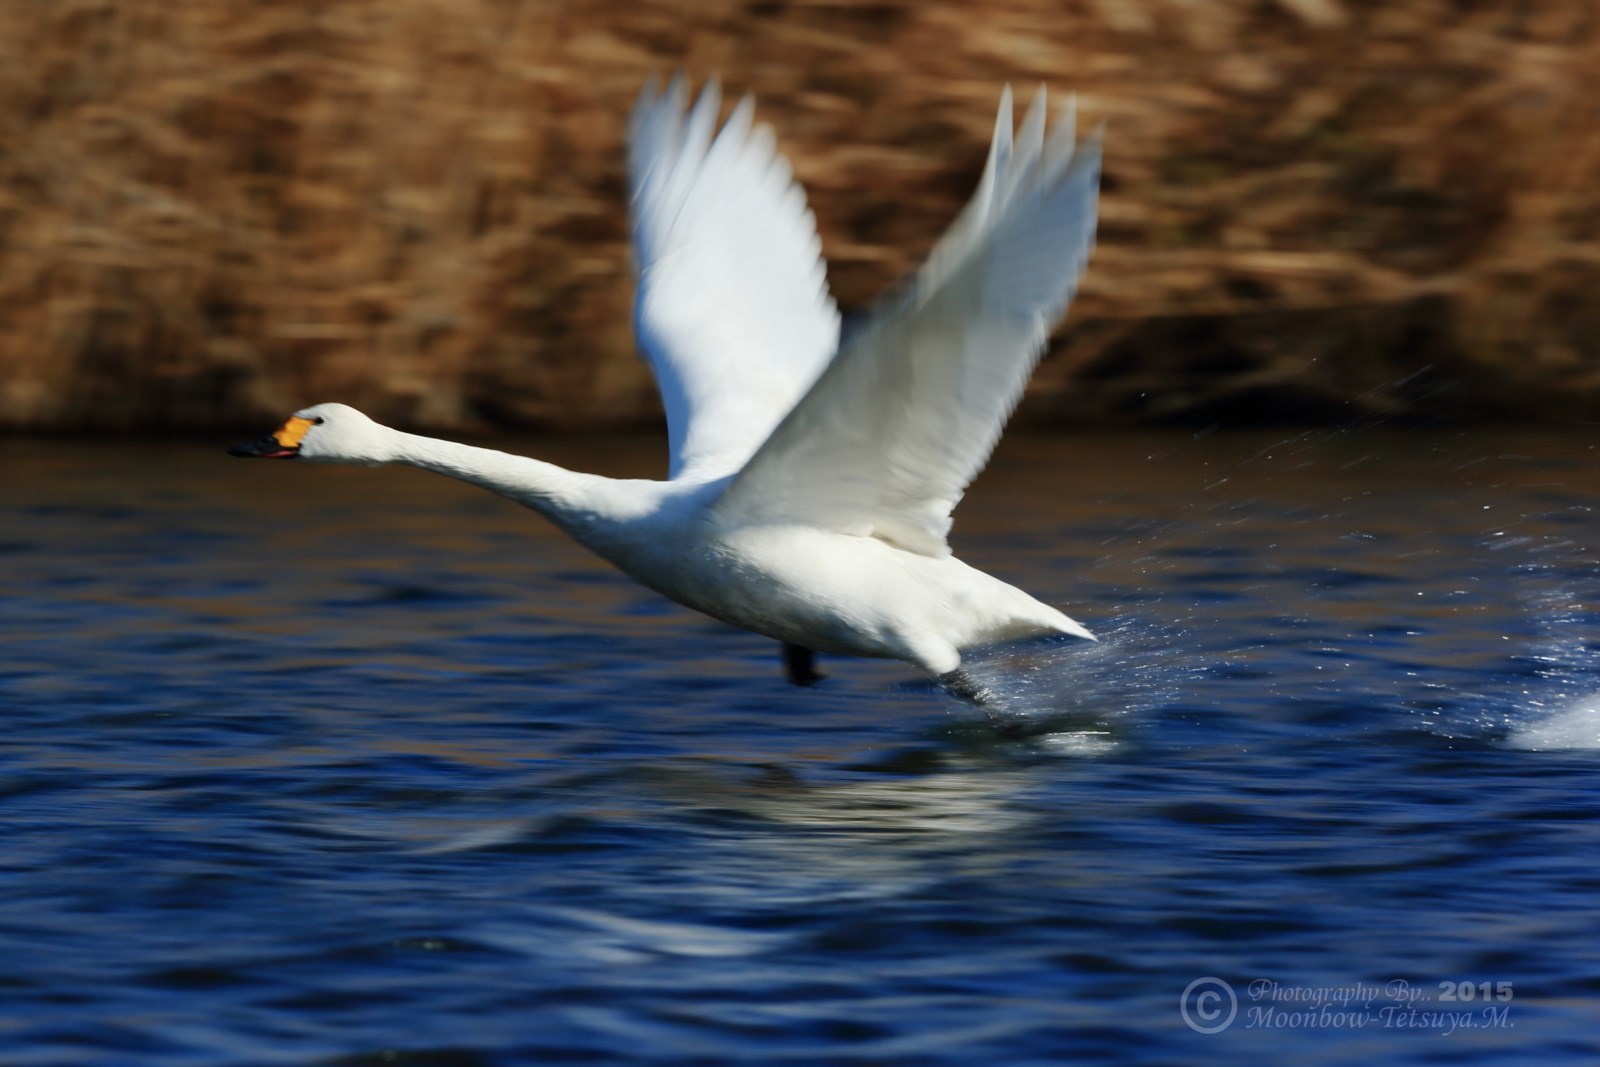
733	310
887	440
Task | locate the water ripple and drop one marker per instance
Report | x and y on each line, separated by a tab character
410	779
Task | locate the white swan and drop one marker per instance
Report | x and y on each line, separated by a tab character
811	485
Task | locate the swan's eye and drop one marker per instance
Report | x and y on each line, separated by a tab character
318	421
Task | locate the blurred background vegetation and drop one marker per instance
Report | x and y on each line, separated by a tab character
212	213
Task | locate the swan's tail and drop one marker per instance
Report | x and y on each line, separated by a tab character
1064	624
1037	620
1074	627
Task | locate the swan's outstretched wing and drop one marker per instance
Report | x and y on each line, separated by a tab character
906	415
733	310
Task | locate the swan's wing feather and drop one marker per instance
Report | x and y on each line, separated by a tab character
733	312
903	419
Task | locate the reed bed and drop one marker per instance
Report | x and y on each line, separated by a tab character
213	213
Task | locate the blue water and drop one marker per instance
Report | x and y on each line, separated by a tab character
310	765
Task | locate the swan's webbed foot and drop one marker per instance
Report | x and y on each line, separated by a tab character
800	665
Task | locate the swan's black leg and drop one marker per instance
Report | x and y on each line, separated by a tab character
800	665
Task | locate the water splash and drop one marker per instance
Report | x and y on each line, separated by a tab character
1575	726
1561	705
1084	698
1546	693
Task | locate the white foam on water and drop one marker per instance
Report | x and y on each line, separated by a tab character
1562	711
1575	726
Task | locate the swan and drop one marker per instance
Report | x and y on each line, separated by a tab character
811	483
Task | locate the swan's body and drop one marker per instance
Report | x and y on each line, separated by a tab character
811	486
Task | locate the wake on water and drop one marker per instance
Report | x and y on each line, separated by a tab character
1088	698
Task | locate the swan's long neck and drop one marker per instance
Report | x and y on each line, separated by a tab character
603	513
548	489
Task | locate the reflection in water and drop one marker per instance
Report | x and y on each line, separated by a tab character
352	766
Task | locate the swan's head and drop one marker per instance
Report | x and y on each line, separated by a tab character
327	433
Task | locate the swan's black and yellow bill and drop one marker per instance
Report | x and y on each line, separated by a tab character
283	444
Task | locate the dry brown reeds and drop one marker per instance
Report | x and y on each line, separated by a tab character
211	213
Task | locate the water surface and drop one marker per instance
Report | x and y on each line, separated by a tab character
314	765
